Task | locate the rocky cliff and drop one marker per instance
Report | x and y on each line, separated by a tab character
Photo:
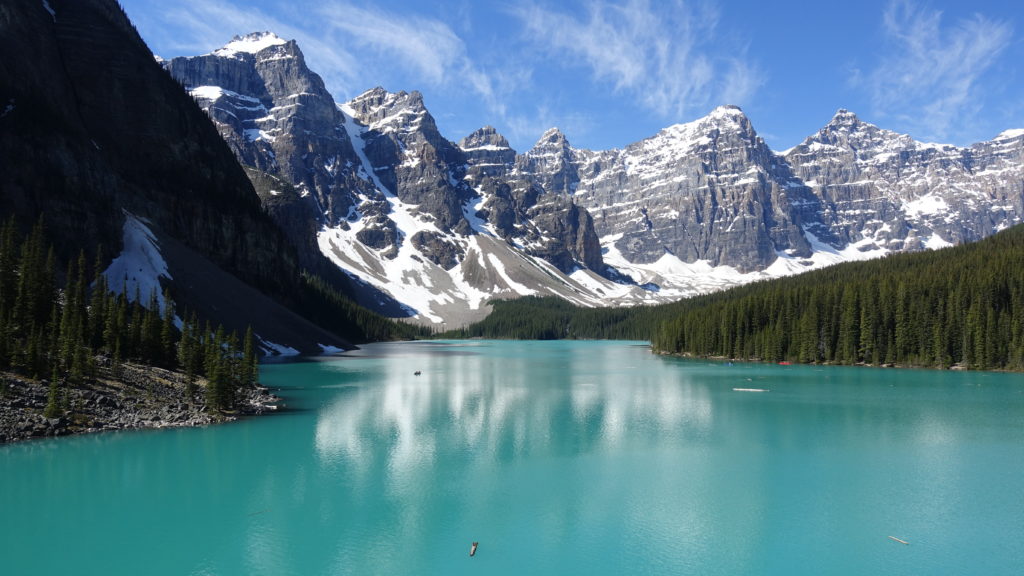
881	190
707	191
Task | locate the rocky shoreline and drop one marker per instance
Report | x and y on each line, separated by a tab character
125	397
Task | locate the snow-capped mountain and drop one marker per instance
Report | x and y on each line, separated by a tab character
884	191
394	203
444	227
710	191
278	118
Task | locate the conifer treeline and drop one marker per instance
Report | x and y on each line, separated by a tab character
552	318
49	331
339	314
957	306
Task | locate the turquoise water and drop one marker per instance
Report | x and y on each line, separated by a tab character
558	457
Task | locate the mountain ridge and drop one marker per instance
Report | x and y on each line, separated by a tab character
698	206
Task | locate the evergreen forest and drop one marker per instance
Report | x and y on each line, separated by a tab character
337	313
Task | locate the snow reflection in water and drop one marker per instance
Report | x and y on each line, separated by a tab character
504	407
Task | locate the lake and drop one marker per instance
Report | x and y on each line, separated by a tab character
558	458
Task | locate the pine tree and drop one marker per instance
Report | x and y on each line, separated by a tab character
167	333
189	354
250	360
98	303
53	403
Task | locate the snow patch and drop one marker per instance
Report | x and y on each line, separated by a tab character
1008	134
140	266
928	205
250	44
207	92
271	349
824	254
487	147
328	349
935	242
254	134
469	210
214	93
515	286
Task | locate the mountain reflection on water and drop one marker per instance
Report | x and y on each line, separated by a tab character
482	404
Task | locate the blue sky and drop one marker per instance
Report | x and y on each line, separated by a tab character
609	73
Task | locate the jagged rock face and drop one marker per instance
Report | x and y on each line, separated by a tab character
709	190
437	249
374	185
411	158
488	152
552	163
881	189
544	223
567	233
278	118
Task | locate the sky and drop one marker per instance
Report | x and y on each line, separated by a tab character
609	73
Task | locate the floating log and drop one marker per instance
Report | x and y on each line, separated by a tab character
750	390
898	540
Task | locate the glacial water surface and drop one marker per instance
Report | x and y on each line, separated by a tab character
558	458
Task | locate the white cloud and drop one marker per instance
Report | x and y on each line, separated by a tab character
930	76
427	47
672	59
343	42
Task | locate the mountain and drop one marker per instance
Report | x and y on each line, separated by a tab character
384	194
444	227
883	191
709	191
106	147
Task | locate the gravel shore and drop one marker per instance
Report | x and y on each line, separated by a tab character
124	397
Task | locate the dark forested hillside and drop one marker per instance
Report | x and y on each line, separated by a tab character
960	306
551	318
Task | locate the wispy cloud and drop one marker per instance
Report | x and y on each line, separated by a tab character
929	77
427	48
672	60
345	43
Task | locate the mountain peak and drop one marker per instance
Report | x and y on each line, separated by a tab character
844	117
727	110
252	43
725	116
552	136
486	137
379	96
